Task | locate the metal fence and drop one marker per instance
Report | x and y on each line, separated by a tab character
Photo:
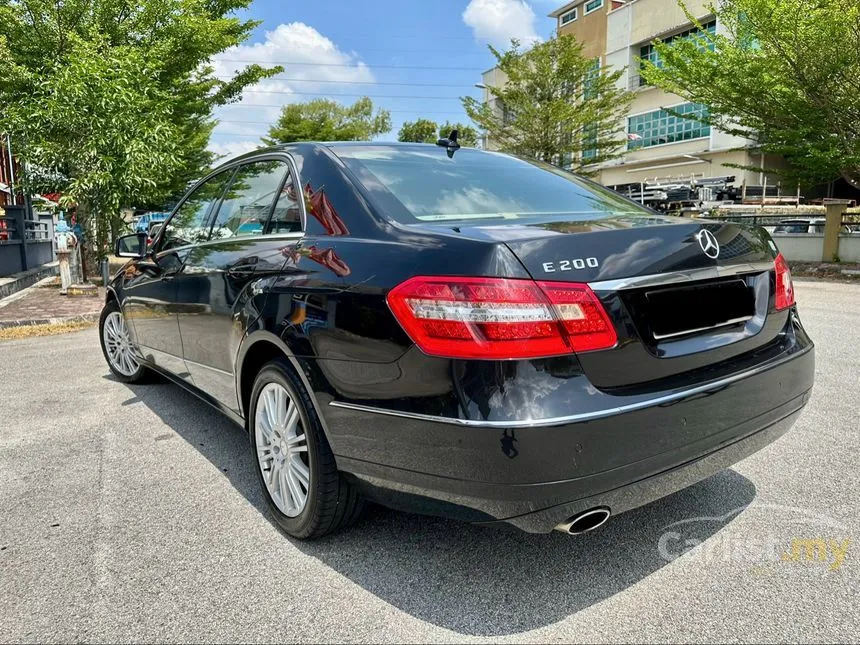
24	243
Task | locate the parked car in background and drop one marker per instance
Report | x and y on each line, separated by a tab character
461	333
800	225
144	223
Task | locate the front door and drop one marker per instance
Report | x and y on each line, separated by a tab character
254	231
151	286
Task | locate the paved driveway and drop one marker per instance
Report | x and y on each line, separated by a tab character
131	513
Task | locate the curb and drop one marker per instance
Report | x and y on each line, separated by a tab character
91	317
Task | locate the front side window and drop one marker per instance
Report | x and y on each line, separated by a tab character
248	201
414	184
190	224
593	6
661	126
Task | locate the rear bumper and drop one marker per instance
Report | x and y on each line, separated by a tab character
535	476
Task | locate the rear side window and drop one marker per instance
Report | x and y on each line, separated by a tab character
423	184
286	218
248	201
190	224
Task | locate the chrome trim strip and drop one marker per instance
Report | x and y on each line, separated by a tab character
576	418
733	321
208	367
674	277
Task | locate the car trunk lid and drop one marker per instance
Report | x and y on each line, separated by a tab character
684	295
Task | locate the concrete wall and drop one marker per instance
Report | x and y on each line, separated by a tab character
667	163
492	78
589	30
849	248
657	18
808	247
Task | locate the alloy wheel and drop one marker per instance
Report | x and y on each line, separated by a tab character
282	449
118	344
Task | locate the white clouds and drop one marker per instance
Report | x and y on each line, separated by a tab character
232	149
318	60
497	21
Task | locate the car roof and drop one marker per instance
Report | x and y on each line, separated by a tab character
335	144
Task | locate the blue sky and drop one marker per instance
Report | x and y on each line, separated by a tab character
412	57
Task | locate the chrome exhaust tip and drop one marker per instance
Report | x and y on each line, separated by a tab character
585	521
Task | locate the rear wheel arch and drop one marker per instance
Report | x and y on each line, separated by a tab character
258	349
111	295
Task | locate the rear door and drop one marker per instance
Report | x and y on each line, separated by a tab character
255	229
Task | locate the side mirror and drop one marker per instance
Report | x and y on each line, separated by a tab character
131	246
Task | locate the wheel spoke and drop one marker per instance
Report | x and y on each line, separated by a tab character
274	470
291	419
295	440
301	472
283	406
270	408
295	490
286	490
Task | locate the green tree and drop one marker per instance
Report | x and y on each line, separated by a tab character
781	72
466	134
327	120
557	105
110	101
420	131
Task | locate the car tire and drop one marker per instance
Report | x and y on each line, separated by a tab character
117	346
292	457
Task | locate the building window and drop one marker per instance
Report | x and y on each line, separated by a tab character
649	53
589	143
589	91
594	5
660	127
570	16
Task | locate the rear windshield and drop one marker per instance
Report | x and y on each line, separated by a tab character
422	184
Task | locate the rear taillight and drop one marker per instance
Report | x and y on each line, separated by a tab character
499	318
784	286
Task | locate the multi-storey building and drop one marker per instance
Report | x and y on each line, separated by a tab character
661	146
586	20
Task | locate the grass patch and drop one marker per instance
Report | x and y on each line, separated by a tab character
29	331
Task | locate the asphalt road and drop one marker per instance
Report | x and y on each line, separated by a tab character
130	513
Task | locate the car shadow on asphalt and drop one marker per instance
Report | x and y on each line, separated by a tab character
469	579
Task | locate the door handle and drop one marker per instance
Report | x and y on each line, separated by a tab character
242	270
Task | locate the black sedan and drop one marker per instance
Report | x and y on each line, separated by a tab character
460	333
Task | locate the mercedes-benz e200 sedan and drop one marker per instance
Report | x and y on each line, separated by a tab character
460	333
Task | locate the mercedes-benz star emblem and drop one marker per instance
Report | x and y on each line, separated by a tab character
709	244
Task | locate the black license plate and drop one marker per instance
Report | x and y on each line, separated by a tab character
678	311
